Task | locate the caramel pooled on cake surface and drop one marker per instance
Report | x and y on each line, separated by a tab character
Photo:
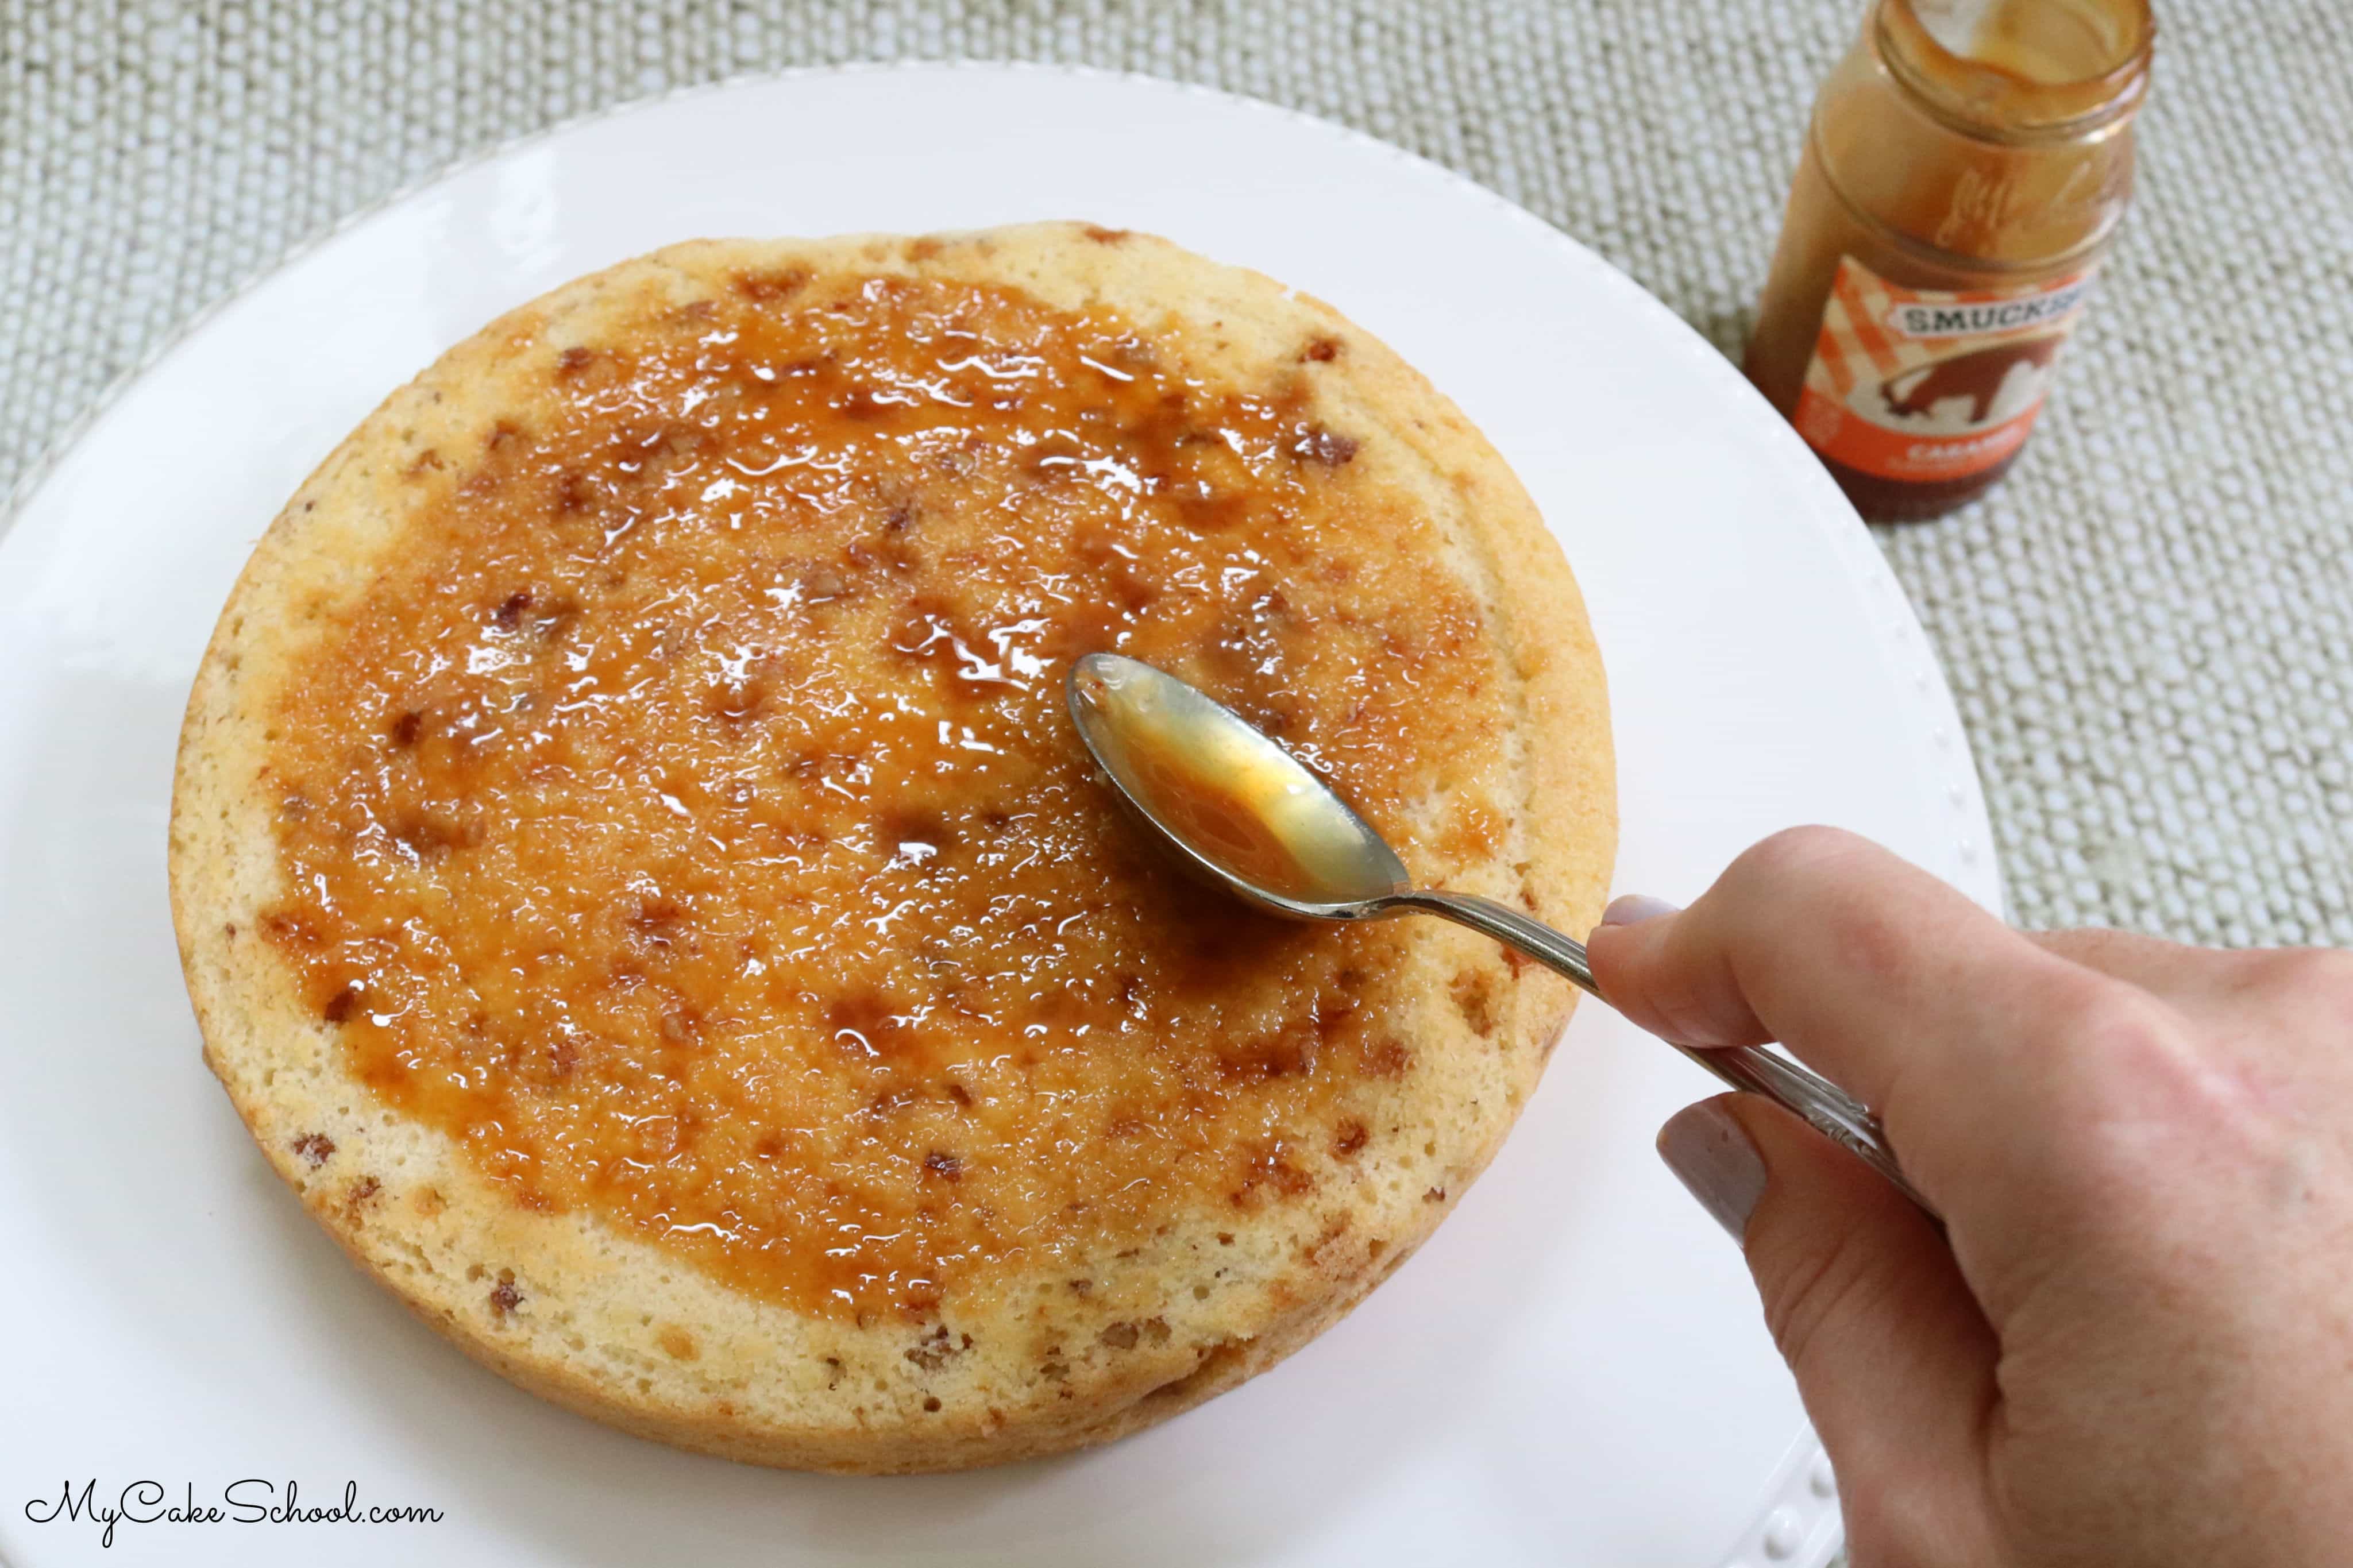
685	818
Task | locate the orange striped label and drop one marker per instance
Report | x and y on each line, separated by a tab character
1923	383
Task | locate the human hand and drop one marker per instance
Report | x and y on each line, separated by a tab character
2134	1345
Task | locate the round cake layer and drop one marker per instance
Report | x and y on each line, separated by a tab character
636	876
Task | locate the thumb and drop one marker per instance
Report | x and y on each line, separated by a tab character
1893	1358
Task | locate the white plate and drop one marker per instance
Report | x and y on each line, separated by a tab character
1572	1371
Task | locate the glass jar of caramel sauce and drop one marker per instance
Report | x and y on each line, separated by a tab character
1967	167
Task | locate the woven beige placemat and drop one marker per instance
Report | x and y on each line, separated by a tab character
2150	627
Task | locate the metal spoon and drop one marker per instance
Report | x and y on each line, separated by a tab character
1244	815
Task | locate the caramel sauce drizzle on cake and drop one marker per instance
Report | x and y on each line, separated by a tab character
684	817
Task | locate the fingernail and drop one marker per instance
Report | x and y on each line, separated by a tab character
1635	908
1711	1154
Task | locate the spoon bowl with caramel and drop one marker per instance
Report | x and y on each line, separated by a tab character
1238	811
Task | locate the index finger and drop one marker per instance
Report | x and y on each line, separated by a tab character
1889	982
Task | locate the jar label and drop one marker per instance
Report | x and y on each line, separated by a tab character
1922	384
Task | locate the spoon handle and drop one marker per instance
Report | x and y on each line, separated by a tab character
1825	1107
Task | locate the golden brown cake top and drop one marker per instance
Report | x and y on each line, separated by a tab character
682	814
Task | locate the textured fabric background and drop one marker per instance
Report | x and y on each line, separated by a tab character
2150	627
